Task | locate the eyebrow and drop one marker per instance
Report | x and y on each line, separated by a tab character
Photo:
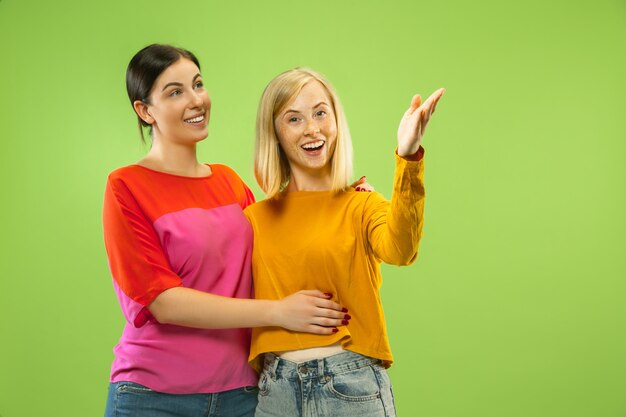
177	84
316	106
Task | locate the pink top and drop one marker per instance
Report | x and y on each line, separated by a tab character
163	231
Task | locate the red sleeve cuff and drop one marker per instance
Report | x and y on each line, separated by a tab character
417	156
143	317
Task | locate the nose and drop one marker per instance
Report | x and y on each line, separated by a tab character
311	128
196	99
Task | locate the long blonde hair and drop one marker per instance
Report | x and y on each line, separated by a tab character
271	166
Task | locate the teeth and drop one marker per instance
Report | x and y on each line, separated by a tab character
313	145
195	119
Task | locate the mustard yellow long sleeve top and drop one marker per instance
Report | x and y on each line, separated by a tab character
335	242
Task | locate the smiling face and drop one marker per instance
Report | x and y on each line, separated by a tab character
179	107
307	132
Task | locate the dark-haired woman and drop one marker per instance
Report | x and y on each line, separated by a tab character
179	250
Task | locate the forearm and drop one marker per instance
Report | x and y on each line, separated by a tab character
192	308
310	311
406	216
396	238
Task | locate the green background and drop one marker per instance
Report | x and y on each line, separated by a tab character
516	306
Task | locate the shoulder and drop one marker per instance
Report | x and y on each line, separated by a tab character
366	202
362	197
122	173
126	175
225	171
226	174
227	177
266	207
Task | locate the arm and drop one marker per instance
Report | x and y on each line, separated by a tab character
394	229
149	289
304	311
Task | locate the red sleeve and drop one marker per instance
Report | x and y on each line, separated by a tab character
248	196
137	261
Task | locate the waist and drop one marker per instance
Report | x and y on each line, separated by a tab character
182	360
336	364
303	355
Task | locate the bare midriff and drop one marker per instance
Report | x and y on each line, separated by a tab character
303	355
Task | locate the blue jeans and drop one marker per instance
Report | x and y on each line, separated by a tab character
127	399
346	384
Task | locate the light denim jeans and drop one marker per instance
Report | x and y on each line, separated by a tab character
127	399
345	384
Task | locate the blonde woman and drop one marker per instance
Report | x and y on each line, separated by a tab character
314	231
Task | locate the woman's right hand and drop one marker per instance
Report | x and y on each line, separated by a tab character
414	121
310	311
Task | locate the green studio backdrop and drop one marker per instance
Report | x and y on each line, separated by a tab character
516	305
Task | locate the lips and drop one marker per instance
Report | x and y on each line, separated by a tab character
313	146
195	119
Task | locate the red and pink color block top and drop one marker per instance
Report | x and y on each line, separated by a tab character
163	231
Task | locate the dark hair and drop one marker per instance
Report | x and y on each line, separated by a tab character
145	68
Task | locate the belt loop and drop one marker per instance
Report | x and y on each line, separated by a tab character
321	365
274	366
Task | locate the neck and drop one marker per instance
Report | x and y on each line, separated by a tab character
302	180
174	158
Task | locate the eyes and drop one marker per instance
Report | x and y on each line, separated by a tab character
318	115
197	85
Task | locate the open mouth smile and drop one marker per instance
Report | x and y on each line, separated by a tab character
313	146
195	119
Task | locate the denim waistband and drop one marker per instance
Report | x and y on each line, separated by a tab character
336	364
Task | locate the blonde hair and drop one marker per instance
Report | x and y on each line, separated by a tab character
271	166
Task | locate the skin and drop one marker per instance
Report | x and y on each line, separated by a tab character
309	118
414	122
179	109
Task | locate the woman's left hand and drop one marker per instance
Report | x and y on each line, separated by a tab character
414	121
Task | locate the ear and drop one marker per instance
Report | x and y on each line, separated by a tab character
143	111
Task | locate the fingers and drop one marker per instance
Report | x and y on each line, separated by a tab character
357	183
327	322
363	185
365	188
321	330
330	308
327	313
432	101
415	103
325	325
427	109
441	91
315	312
315	293
323	300
330	313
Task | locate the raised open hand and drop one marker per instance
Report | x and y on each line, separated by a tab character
414	121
